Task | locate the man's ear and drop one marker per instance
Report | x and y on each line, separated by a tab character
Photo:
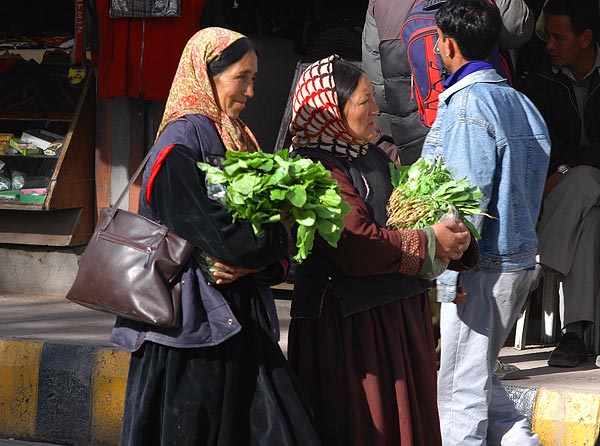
586	38
451	47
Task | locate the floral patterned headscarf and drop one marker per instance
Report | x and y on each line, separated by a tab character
192	93
316	116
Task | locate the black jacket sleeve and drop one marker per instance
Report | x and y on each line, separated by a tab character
555	100
180	199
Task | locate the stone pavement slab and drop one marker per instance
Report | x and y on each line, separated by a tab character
56	319
535	372
53	319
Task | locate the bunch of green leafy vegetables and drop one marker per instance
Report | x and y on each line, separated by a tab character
431	185
260	186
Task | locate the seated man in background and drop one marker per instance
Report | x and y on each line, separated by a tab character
566	89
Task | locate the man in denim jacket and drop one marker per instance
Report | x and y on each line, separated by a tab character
493	135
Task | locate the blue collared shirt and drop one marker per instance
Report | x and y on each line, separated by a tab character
466	69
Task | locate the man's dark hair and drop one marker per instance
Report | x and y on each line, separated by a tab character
584	14
346	76
474	24
230	55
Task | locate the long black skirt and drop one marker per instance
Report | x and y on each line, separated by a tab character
241	392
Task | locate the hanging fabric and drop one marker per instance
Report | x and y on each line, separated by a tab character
135	59
144	8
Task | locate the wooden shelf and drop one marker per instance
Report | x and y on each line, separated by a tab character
27	157
66	217
36	54
19	205
36	116
50	228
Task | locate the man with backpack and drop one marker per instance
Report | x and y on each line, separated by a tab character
386	62
493	135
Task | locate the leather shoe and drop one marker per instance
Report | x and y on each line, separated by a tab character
570	352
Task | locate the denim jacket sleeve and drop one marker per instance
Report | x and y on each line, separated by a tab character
464	135
447	284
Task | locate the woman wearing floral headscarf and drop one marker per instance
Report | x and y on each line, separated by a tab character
220	378
361	338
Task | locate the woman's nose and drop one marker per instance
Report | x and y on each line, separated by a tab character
250	90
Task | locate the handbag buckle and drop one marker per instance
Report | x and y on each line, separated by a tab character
149	252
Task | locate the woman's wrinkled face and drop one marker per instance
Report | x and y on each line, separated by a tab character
235	85
360	111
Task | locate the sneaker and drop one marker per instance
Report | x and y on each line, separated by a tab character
598	361
507	371
570	352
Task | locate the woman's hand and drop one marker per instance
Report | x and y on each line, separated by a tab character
551	183
226	274
452	238
286	220
461	296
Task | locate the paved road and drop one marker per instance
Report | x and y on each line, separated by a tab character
9	442
55	319
575	392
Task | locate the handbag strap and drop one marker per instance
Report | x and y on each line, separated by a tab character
137	173
115	206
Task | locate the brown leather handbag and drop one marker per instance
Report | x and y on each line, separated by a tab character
131	267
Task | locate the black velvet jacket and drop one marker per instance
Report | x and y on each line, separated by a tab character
552	93
174	193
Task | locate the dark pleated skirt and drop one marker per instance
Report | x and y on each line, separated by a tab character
241	392
370	377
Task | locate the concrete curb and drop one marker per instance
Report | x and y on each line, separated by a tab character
74	395
61	393
560	417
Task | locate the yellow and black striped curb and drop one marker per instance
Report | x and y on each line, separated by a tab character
560	417
74	395
61	393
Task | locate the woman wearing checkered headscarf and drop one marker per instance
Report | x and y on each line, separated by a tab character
317	117
220	378
361	337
